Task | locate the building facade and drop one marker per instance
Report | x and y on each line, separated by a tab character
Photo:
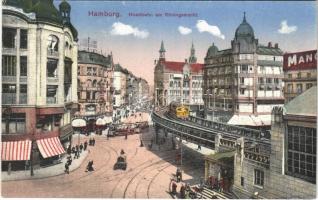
95	78
290	172
243	83
39	82
143	89
120	92
178	81
300	73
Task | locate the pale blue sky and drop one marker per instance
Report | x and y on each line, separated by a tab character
138	54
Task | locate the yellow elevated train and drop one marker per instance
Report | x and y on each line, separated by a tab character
178	110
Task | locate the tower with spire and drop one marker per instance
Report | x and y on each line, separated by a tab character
192	58
162	52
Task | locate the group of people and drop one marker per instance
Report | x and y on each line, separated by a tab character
91	141
76	150
185	191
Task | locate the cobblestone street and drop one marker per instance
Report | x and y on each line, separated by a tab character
148	172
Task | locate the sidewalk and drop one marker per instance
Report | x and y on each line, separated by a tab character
44	172
194	147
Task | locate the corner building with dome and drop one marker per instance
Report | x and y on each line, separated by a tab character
39	83
243	83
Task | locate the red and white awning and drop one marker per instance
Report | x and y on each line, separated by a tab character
16	150
50	147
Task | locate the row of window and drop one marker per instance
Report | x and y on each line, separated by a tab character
299	87
300	75
9	40
185	84
243	69
228	80
90	95
91	71
15	124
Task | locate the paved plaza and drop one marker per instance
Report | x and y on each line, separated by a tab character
148	173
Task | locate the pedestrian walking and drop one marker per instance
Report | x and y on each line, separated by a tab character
77	147
73	149
69	150
174	188
85	145
69	160
93	141
75	154
126	135
81	147
67	169
182	192
199	147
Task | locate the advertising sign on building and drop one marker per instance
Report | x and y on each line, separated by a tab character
300	60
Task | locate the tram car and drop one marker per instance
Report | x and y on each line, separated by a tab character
121	162
178	110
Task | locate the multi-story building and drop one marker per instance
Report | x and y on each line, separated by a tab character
143	89
120	92
132	89
178	81
95	78
243	83
300	71
39	82
290	172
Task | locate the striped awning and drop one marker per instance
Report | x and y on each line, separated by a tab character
50	147
16	150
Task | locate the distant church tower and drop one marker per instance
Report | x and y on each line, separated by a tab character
162	52
192	58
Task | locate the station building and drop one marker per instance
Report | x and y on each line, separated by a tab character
39	82
291	170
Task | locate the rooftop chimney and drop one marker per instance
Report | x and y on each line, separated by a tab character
276	45
270	45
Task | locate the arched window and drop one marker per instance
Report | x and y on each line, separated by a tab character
94	83
171	83
89	83
53	43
